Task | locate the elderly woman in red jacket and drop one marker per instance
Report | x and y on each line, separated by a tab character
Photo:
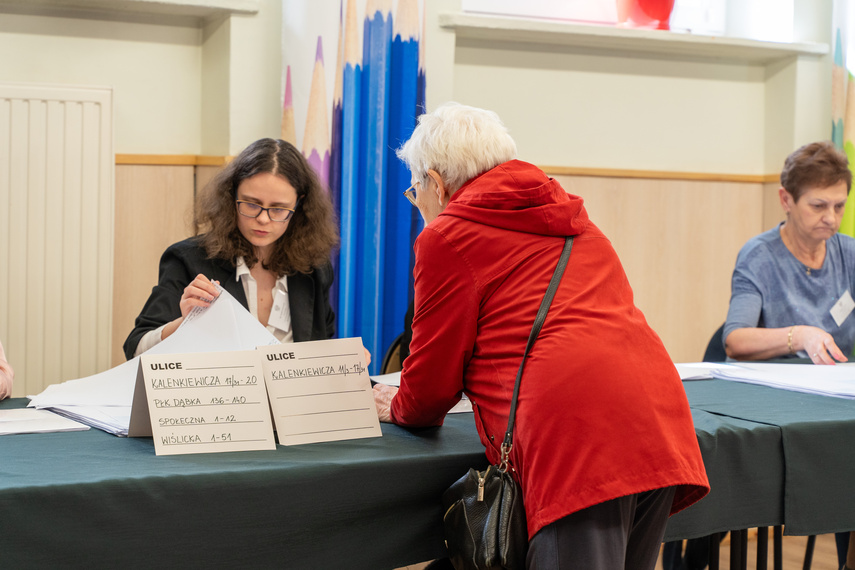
604	445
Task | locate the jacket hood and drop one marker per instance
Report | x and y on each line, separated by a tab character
518	196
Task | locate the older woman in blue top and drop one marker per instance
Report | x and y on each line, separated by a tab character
792	287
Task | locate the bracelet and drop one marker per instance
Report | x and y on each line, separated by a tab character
790	340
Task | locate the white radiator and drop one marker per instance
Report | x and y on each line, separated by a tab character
56	232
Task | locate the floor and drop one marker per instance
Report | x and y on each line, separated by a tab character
824	556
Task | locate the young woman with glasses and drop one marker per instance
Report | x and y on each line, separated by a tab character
265	230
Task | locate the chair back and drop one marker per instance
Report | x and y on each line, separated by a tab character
392	359
715	349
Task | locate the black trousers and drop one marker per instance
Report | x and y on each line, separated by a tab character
624	533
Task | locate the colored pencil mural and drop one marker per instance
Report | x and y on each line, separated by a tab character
843	99
403	105
376	67
336	142
287	129
316	138
351	126
379	92
416	221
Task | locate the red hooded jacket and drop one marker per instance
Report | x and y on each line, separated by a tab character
602	412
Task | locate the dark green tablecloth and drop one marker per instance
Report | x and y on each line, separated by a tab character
745	468
89	499
818	435
93	500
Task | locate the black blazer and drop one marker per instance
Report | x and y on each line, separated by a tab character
312	318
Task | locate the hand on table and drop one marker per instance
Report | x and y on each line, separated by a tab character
819	345
383	395
7	375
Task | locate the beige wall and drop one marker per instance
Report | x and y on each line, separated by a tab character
154	71
602	111
595	106
677	240
255	76
180	85
212	87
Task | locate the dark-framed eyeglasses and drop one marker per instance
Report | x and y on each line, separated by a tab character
253	210
410	193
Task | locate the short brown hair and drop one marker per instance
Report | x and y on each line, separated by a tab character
815	165
312	233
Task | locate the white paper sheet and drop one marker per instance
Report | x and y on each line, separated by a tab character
837	380
28	420
104	400
698	370
394	379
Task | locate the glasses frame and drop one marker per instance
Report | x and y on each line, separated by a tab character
410	194
290	211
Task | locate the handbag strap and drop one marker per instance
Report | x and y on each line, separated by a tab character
507	443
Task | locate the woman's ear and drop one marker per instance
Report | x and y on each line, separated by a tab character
786	198
442	194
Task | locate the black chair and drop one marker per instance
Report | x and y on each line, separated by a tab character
715	349
392	359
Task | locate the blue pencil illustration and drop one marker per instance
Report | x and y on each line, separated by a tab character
403	103
336	150
350	135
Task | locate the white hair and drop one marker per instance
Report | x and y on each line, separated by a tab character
459	142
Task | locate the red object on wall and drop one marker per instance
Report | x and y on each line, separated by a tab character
654	14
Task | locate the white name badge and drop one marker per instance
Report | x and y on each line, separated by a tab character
842	308
280	313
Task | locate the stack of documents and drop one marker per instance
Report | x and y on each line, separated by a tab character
696	370
104	400
27	420
837	380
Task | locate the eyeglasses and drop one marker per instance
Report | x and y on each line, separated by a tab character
253	210
410	194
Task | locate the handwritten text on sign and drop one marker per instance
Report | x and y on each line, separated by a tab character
207	402
320	391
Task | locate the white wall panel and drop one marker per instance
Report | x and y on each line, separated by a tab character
56	241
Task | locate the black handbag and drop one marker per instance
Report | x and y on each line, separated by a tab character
485	526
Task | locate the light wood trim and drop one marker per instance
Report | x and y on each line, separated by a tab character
172	159
204	160
658	174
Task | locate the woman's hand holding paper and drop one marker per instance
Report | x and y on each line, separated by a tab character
201	292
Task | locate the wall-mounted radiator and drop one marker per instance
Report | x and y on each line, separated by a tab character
56	232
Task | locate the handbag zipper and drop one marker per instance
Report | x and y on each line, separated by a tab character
482	478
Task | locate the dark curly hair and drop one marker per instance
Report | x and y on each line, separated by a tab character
815	165
312	233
